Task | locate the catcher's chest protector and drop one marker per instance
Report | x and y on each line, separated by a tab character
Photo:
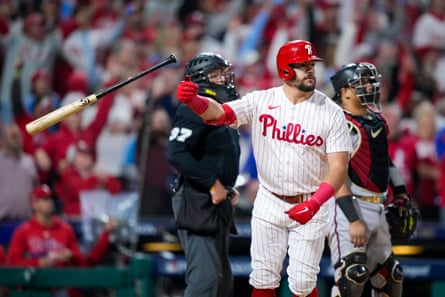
369	167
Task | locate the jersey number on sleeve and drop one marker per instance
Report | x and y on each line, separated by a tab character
180	134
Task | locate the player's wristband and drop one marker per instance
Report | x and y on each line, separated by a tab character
324	192
227	118
198	104
346	205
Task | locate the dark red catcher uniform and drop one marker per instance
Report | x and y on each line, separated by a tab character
369	135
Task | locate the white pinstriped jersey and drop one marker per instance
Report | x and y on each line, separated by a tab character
290	141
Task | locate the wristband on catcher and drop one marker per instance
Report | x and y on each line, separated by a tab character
346	205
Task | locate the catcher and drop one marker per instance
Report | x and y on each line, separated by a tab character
360	238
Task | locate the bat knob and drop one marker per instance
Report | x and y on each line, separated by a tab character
173	58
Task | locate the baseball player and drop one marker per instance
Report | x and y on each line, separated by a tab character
207	160
359	239
301	147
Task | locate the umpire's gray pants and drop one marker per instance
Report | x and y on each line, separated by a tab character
208	272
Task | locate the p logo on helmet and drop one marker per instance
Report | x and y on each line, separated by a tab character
294	52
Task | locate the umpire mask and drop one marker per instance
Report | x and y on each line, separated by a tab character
214	76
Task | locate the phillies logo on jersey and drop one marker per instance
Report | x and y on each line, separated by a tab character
292	133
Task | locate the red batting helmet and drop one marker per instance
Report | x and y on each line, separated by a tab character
294	52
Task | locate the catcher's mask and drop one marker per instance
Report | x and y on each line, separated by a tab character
403	226
294	52
199	68
363	77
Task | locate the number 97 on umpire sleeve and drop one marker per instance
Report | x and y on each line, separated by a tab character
180	134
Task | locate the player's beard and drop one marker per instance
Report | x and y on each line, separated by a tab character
306	87
302	86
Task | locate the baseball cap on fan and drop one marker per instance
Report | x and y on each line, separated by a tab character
42	191
34	19
195	18
83	147
40	74
326	4
80	146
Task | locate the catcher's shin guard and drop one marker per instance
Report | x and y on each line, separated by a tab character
387	278
353	274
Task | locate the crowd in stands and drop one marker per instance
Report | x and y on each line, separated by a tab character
54	52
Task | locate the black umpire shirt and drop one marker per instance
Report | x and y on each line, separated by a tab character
203	152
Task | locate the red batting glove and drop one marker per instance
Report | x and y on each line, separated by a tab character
304	211
186	91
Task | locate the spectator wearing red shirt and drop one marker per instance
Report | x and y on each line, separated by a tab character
51	155
400	145
427	165
81	175
45	240
42	103
2	256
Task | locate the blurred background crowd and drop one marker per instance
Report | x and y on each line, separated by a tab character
54	52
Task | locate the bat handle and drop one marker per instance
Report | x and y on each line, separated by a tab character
58	115
188	78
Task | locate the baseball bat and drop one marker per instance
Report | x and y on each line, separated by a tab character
64	111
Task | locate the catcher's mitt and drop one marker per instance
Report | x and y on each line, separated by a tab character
402	217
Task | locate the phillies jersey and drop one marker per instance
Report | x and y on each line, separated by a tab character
290	141
32	241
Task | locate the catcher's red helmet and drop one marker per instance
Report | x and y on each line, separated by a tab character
294	52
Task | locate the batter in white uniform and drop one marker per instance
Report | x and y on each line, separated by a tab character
301	147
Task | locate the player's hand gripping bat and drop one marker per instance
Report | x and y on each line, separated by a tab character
62	112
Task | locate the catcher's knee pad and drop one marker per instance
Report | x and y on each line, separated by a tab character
387	278
353	274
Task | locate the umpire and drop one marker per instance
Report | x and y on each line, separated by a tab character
206	158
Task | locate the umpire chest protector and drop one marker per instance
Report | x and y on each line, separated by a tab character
368	167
